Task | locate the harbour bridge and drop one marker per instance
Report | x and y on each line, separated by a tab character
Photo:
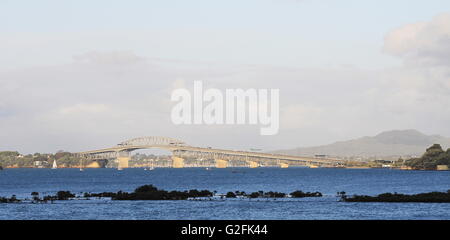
181	151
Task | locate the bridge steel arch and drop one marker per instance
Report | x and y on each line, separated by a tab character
148	141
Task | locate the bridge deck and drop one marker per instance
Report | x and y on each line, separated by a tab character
174	148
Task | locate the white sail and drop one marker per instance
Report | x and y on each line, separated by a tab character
54	165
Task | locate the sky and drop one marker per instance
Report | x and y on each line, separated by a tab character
80	75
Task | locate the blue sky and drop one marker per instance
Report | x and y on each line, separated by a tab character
80	15
316	32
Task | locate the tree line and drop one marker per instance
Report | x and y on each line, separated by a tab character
433	157
10	159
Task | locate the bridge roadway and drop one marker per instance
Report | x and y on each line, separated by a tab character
180	151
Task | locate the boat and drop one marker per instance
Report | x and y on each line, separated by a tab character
54	165
81	169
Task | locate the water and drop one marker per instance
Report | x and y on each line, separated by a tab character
22	182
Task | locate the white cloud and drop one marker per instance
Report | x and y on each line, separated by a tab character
83	106
111	57
83	109
104	97
423	43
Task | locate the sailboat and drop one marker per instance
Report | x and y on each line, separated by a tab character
54	165
81	165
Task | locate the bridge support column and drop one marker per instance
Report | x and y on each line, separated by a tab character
123	162
253	164
123	157
221	163
284	165
177	162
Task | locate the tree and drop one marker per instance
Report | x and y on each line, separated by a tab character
433	156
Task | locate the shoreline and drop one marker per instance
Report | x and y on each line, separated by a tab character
352	168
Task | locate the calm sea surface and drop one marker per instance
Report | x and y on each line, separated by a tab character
22	182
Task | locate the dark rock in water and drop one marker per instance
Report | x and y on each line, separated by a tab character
60	195
431	197
12	199
300	194
150	192
230	195
64	195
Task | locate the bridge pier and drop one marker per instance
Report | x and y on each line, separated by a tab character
123	158
284	165
253	164
221	163
93	164
177	162
123	162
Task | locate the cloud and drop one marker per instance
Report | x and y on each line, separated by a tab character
104	97
84	109
109	57
298	116
82	106
423	43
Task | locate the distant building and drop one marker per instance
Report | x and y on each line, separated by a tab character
40	164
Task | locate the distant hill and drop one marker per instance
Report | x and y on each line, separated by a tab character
390	144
